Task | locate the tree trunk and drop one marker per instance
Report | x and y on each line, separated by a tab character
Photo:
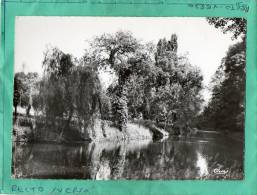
122	108
28	110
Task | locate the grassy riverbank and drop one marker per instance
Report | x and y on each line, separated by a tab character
29	129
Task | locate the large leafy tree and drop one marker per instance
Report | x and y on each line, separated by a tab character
70	89
117	51
57	85
178	96
87	97
166	89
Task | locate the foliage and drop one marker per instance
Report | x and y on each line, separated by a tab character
24	85
70	92
118	51
237	26
226	107
17	92
114	49
87	95
56	86
152	83
166	89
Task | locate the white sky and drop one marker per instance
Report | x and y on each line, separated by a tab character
205	44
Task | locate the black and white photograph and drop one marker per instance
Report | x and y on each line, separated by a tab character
129	98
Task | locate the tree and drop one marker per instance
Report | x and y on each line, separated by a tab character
17	93
87	97
225	110
115	51
23	89
70	91
178	86
31	80
167	89
226	107
57	85
237	26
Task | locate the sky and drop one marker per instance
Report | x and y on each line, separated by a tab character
204	44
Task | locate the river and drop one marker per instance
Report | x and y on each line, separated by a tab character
202	156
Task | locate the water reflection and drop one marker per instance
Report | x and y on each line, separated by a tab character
175	158
202	164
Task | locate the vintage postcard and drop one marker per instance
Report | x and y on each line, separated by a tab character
157	101
129	98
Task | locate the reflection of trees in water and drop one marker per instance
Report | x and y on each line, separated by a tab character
49	161
108	159
119	161
202	164
174	159
20	155
167	160
105	160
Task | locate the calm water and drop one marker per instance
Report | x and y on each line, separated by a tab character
204	156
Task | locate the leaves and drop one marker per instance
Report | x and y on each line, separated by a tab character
237	26
152	82
226	107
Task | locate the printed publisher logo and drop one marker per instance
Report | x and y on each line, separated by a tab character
220	172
